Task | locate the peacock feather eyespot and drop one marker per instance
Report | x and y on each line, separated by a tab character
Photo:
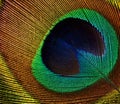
64	60
59	51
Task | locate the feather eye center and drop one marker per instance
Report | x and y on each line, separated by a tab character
59	52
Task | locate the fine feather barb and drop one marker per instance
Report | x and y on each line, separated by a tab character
109	81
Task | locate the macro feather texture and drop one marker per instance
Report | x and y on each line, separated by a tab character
27	26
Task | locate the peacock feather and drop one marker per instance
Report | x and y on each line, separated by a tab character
59	52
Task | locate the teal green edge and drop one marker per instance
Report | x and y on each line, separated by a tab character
90	63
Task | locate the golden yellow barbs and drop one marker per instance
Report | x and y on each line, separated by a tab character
116	3
0	3
9	87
